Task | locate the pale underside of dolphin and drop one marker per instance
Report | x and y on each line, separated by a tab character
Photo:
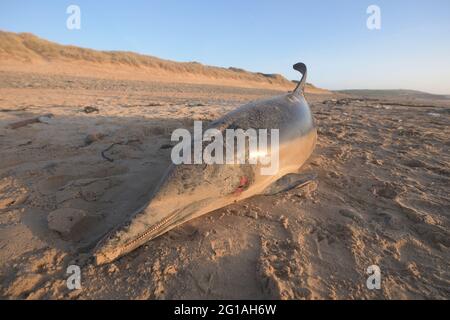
191	190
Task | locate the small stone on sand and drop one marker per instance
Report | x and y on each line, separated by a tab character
92	137
63	220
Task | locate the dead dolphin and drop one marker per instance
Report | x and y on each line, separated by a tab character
191	190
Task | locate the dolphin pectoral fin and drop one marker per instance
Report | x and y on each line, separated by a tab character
290	181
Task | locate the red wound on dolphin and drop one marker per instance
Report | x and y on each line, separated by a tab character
243	184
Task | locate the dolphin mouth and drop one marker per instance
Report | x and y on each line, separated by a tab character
107	252
152	231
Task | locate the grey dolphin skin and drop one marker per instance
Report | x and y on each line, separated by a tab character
191	190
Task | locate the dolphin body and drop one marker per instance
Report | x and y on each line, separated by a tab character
190	190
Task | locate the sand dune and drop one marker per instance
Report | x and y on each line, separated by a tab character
28	53
397	93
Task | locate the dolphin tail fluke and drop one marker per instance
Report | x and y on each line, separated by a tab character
300	67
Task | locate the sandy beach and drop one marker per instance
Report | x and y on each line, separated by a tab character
82	149
381	196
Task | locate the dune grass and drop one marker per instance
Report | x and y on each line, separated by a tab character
28	48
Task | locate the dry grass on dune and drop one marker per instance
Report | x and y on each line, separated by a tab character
23	50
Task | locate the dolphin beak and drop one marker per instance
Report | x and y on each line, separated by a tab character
103	254
145	226
119	242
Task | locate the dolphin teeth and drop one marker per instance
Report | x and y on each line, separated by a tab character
107	254
152	229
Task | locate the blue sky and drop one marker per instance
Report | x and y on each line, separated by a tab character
411	50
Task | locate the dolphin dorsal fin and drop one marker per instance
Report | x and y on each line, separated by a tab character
300	67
